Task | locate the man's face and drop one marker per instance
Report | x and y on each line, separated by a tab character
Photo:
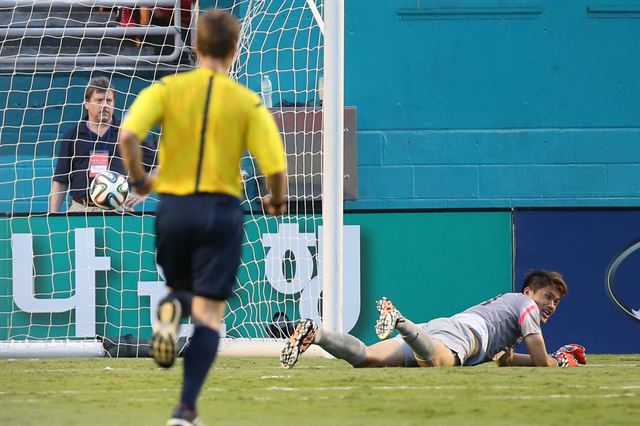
100	107
547	299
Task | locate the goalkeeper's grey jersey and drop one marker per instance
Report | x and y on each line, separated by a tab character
501	323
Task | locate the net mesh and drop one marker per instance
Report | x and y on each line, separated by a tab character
82	275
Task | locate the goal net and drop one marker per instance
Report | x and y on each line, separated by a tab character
85	283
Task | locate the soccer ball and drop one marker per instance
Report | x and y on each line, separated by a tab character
109	190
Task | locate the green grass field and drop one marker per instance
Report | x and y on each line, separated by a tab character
321	392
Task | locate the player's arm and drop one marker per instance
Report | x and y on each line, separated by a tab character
60	181
265	144
145	113
515	360
567	356
538	351
276	203
509	358
522	360
529	323
57	195
537	356
132	156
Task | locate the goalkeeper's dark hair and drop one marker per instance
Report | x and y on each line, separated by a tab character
97	84
540	278
217	34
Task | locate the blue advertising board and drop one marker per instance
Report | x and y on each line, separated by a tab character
601	312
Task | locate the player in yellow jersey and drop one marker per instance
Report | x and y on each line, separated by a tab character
208	122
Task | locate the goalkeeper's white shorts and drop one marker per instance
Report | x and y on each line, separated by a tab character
458	337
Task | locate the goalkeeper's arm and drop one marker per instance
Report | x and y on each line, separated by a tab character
567	356
537	352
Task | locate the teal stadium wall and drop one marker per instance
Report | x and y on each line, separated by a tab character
495	103
461	104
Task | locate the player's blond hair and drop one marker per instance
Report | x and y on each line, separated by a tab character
540	278
217	34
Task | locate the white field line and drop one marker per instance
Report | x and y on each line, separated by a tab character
562	396
451	397
205	396
319	388
610	365
426	387
86	391
110	368
73	370
497	387
342	388
275	367
620	387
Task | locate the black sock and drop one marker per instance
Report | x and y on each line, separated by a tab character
198	358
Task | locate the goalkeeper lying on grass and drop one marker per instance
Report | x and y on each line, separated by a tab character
482	333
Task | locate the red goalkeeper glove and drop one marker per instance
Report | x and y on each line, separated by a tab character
570	355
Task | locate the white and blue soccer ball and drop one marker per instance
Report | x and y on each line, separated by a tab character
109	190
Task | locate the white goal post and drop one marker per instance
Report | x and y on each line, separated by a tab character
86	284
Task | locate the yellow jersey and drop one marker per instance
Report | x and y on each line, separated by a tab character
208	122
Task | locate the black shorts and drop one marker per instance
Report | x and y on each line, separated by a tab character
199	241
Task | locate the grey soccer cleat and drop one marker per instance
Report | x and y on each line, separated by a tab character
165	333
388	318
299	342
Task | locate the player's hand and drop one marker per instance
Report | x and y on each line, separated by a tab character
577	351
146	187
504	358
133	200
272	208
570	355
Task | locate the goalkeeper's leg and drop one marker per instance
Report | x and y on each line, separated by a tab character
302	337
427	351
342	346
418	339
420	342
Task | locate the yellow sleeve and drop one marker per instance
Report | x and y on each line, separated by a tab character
146	111
264	142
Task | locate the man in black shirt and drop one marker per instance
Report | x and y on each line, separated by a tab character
89	148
